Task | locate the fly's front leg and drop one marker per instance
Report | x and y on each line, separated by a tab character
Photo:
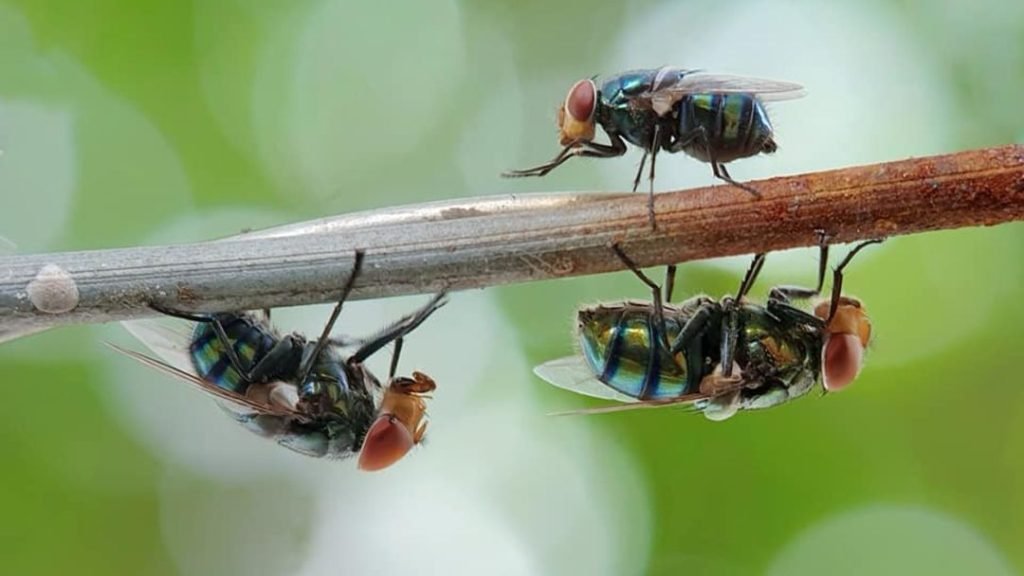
793	316
399	329
583	149
784	294
542	170
837	276
787	293
281	359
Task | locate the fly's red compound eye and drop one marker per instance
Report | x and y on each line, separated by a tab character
386	442
576	116
841	360
581	102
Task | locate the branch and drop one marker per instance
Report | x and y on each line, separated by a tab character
488	241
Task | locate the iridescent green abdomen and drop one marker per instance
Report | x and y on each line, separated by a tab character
619	344
250	341
735	126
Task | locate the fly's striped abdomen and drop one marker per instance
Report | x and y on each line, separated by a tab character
735	126
250	341
620	344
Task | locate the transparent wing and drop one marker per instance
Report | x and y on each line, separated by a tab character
572	373
171	343
662	98
636	405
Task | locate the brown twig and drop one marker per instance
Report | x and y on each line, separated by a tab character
498	240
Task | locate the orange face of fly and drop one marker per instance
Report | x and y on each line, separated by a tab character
847	336
576	116
400	423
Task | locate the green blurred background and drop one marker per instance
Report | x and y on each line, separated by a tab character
139	122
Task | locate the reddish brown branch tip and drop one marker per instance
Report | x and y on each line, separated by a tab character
973	188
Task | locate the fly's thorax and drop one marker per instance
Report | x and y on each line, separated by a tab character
325	439
735	125
773	351
326	383
618	112
634	125
618	90
847	335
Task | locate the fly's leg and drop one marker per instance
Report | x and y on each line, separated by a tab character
218	329
700	136
787	293
543	169
399	329
640	170
837	277
689	342
269	367
730	337
751	276
792	315
655	146
357	266
617	147
722	174
784	294
730	317
670	281
780	296
659	308
395	354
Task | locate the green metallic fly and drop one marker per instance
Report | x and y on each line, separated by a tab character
721	356
300	392
714	118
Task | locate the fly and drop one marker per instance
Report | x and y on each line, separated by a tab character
299	392
714	118
720	355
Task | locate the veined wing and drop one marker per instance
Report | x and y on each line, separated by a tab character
171	345
572	373
665	95
169	342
